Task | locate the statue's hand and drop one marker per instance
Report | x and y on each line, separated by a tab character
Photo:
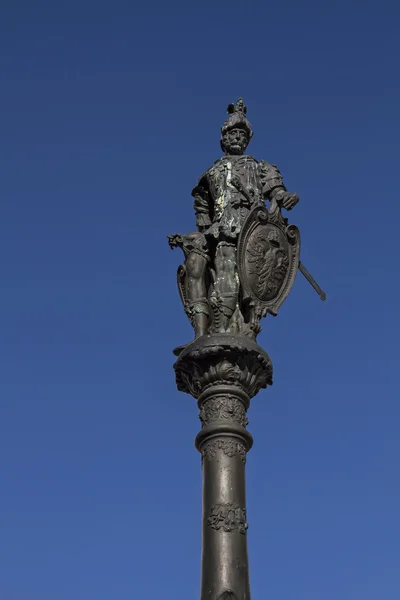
289	201
175	240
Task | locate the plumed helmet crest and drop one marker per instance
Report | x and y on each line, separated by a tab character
237	118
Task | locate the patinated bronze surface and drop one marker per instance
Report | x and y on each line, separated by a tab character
242	260
240	264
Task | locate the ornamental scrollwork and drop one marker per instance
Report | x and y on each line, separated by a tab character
230	447
228	517
223	408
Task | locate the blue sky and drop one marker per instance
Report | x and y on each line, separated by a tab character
109	113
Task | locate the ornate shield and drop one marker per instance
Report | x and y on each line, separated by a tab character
268	259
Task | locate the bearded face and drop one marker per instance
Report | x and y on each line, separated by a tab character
235	141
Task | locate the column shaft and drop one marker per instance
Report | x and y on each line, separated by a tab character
223	442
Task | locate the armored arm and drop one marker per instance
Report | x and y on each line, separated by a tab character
201	207
273	188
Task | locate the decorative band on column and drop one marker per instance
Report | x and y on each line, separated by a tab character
228	517
223	407
220	429
223	418
224	390
229	446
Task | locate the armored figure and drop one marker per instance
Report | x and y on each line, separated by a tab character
241	261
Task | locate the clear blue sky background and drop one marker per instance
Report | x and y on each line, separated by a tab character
109	113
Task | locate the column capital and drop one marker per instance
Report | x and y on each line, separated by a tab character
223	359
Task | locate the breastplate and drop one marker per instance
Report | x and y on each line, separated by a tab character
222	178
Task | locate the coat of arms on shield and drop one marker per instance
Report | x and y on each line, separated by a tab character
268	259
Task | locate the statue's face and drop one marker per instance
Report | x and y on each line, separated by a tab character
235	141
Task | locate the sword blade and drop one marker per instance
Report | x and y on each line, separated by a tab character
312	281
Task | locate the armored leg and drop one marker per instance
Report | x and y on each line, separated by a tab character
226	286
192	277
197	307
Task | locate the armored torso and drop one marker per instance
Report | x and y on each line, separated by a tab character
233	185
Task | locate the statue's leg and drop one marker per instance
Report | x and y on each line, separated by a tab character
226	286
196	292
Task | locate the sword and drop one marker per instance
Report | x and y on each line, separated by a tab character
312	281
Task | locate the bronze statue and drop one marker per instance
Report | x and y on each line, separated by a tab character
218	257
239	266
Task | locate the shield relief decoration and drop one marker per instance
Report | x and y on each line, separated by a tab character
268	259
